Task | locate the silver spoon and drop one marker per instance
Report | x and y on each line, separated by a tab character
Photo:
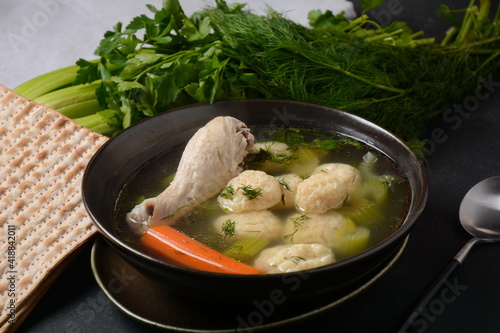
480	216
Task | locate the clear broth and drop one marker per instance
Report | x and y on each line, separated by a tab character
154	176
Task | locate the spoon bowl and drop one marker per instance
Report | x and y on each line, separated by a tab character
480	210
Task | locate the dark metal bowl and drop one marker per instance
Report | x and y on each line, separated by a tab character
118	158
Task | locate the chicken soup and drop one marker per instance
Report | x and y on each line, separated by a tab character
287	200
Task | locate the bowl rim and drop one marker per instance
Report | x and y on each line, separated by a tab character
409	220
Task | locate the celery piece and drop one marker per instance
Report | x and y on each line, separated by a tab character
81	109
105	122
47	82
307	161
246	248
362	211
353	243
68	95
372	189
348	227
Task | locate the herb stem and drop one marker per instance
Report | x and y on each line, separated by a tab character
383	36
482	16
450	33
487	61
356	23
167	58
338	68
465	33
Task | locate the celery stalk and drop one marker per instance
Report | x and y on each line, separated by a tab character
81	109
105	122
246	248
63	99
47	82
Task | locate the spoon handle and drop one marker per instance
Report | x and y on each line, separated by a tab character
428	296
434	287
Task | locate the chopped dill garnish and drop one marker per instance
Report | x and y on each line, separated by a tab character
265	155
296	137
286	187
284	184
297	223
293	137
282	158
295	259
333	143
227	192
228	228
250	192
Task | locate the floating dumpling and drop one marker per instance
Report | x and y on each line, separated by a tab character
251	190
348	175
320	193
293	258
259	224
324	229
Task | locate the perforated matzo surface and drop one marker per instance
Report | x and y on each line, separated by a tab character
42	218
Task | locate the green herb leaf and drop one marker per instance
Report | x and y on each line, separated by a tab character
295	259
228	228
297	223
227	192
88	72
228	52
370	4
284	184
250	192
196	32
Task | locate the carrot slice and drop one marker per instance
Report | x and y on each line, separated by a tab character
173	246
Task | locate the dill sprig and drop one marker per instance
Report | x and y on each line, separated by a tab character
250	192
295	259
227	192
297	223
284	184
228	228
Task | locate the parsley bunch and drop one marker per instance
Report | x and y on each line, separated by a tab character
157	63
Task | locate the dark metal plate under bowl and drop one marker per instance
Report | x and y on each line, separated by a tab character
152	303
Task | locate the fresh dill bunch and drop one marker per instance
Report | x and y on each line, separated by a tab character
389	75
400	82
